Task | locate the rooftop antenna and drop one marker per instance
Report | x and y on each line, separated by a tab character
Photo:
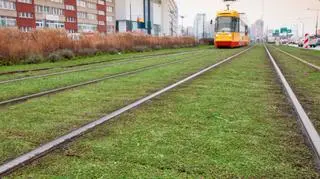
228	3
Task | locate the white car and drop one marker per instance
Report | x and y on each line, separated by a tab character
314	42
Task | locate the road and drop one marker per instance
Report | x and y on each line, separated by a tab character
317	48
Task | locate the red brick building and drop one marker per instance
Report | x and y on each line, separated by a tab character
72	15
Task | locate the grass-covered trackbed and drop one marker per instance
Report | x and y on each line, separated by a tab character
233	121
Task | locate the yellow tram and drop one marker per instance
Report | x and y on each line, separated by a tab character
231	29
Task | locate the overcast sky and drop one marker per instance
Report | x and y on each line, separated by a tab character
276	13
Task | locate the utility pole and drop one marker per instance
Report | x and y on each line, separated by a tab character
130	17
203	15
182	30
317	19
300	20
171	22
149	17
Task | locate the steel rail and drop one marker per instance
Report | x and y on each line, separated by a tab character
309	130
28	157
299	59
86	69
97	62
112	76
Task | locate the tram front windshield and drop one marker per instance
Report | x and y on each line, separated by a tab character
225	24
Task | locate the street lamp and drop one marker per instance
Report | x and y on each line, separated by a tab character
317	20
203	16
182	30
228	5
302	23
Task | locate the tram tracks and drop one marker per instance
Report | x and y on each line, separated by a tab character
46	148
299	59
308	128
103	64
106	77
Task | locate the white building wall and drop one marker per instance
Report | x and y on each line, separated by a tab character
164	14
170	17
157	13
123	9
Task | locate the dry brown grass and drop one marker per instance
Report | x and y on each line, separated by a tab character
16	46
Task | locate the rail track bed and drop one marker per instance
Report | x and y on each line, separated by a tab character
231	119
305	82
27	89
22	72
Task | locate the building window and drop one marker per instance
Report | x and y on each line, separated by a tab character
101	2
110	29
26	15
7	22
109	9
71	31
25	1
70	7
101	13
57	1
49	10
109	18
49	24
81	3
82	15
54	24
91	5
5	4
102	23
39	24
91	16
25	29
87	27
71	19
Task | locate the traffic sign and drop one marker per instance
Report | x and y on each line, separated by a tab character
283	30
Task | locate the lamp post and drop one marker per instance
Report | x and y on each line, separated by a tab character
182	30
172	15
228	5
149	17
203	15
302	23
130	17
317	19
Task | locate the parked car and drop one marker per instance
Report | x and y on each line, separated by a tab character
314	41
284	41
300	43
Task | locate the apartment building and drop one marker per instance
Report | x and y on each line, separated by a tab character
72	15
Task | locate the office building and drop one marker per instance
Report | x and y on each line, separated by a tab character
161	16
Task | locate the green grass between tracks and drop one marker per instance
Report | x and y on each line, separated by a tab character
27	125
83	60
30	86
305	82
231	122
311	56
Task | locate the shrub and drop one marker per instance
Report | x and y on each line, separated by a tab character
66	53
87	51
113	51
33	58
157	47
49	42
53	57
140	48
